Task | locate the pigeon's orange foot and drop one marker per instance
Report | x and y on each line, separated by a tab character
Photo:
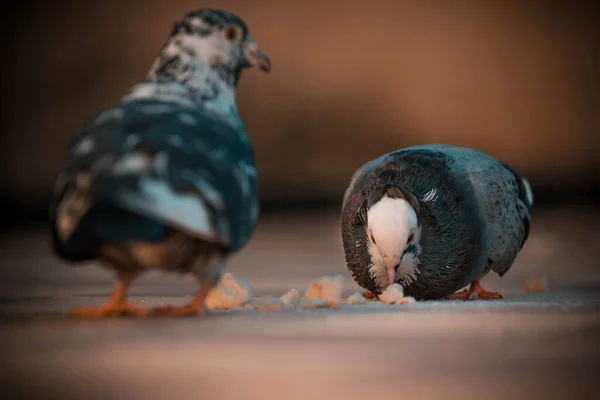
108	311
190	310
475	292
196	308
369	295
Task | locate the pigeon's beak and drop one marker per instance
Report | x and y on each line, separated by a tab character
255	57
390	266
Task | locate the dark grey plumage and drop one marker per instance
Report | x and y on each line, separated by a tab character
166	179
115	160
473	212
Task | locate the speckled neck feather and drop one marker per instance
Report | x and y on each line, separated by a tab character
182	73
175	79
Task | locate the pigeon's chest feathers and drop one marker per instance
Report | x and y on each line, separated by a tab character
407	273
377	269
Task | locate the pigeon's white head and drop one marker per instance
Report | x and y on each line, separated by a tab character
393	233
215	39
202	60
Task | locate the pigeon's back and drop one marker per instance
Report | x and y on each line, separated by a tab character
146	166
504	197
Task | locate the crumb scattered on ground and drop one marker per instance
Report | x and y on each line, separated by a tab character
393	294
267	303
313	291
312	303
234	293
536	284
356	298
291	297
231	292
407	300
326	288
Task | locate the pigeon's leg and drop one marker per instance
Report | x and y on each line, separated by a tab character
208	275
474	292
195	307
115	305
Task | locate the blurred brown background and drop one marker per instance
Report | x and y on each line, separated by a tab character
350	80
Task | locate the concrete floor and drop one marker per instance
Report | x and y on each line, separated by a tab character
542	345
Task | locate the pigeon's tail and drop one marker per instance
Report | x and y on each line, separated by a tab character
139	197
81	222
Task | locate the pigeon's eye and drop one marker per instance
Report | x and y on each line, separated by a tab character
372	238
411	236
233	33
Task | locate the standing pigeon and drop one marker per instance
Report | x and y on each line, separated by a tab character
165	180
434	218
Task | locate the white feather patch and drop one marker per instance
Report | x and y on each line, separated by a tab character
408	270
183	210
431	195
85	146
132	163
529	192
390	222
115	113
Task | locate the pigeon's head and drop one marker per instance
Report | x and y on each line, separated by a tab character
393	233
219	39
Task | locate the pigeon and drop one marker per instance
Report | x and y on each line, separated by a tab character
434	219
165	180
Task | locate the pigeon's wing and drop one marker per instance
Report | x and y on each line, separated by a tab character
156	164
506	200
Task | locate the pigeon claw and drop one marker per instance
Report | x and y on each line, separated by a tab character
115	306
189	310
475	292
195	308
120	310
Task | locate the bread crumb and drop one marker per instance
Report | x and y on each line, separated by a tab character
326	288
267	303
393	294
291	297
407	300
312	303
331	290
536	284
231	292
313	291
356	298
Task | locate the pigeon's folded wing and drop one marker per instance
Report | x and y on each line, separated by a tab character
174	165
506	210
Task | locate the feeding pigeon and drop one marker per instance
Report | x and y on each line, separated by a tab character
165	180
434	218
